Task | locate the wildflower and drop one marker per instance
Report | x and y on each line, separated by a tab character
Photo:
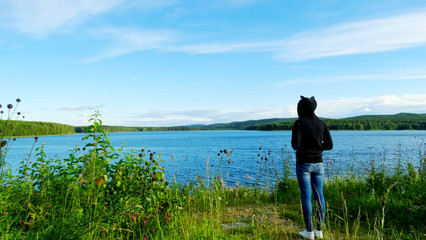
14	139
10	106
22	222
5	213
19	113
136	213
3	143
133	217
18	100
84	148
165	222
148	199
167	217
104	230
127	214
158	211
36	138
152	230
260	148
145	222
225	151
383	201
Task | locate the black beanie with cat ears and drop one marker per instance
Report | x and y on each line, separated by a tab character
306	107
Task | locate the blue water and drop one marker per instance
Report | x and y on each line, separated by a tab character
187	154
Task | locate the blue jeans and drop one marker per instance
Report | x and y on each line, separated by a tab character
311	179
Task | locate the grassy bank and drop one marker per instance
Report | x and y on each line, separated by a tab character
104	193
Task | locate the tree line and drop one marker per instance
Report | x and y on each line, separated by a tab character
351	124
17	128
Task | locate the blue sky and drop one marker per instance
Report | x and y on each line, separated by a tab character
179	62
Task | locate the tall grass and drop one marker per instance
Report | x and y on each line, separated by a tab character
100	192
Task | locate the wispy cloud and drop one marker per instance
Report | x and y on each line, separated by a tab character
386	34
370	36
387	104
332	108
239	2
80	108
395	76
208	116
42	17
127	40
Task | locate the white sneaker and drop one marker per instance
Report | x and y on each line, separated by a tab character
318	234
307	235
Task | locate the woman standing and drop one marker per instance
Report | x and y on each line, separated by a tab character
310	137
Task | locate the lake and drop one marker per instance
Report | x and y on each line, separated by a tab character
187	153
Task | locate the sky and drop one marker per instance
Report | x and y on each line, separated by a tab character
183	62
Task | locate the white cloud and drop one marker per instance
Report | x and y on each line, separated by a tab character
208	116
387	104
42	17
331	108
239	2
80	108
386	34
127	40
85	115
396	75
378	35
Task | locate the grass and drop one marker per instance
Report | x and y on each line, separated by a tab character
100	192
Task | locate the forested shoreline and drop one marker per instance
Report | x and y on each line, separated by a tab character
18	128
350	124
401	121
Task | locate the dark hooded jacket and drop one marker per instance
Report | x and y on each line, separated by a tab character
310	135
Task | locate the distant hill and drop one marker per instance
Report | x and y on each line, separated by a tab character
399	116
243	125
400	121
